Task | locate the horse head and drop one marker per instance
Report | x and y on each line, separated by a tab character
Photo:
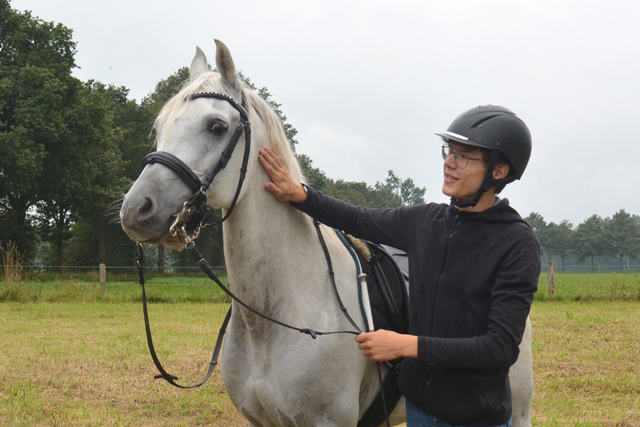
203	150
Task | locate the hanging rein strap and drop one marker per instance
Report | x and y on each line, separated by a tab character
206	268
171	379
333	278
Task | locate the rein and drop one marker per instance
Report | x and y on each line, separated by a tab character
206	268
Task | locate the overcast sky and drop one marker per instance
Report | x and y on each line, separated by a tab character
368	83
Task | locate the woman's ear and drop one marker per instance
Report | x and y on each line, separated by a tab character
500	171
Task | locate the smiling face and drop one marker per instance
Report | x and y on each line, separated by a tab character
462	182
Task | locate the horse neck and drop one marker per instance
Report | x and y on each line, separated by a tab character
263	240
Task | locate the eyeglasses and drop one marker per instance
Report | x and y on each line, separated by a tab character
461	160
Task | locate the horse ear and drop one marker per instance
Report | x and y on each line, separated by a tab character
199	65
224	63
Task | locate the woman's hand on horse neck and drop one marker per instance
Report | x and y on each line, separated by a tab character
282	185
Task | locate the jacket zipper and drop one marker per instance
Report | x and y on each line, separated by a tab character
456	219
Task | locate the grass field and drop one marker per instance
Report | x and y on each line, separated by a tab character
72	356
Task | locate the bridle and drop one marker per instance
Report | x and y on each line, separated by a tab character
192	216
191	219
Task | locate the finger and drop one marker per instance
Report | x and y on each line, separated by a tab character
272	170
271	156
262	158
264	162
275	158
271	187
271	166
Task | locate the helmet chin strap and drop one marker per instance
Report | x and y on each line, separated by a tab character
474	200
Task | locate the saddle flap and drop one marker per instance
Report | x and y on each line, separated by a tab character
387	283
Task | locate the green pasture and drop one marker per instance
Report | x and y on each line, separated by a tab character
175	288
71	355
120	289
610	286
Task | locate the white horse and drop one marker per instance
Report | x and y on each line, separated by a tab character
274	376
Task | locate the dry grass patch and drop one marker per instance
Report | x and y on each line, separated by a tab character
88	365
586	364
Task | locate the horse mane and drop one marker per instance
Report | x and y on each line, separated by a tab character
213	82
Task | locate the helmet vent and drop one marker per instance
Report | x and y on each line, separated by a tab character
484	119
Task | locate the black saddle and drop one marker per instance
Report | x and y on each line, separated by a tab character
388	285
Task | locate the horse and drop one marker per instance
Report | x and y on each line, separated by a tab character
274	376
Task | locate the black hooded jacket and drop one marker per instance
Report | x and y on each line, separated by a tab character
473	276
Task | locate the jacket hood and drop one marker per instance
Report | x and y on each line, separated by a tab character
500	212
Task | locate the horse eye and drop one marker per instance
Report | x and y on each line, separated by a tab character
218	128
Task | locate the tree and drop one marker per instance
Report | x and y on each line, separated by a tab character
559	240
539	225
315	177
625	236
117	157
536	221
84	167
406	190
592	239
36	59
361	194
165	90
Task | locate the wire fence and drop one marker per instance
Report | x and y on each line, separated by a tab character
33	270
588	268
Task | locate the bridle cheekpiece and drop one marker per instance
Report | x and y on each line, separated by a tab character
192	217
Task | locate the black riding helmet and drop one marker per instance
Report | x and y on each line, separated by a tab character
498	130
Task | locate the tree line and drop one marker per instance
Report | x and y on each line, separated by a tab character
596	238
70	149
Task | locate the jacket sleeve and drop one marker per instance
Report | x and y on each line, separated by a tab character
380	225
511	296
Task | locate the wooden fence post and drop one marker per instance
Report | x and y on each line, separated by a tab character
552	279
103	277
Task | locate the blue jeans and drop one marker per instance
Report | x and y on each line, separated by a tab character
416	417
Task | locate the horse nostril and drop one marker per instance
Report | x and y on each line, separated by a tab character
146	210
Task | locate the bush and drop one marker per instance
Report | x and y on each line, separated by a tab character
12	263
